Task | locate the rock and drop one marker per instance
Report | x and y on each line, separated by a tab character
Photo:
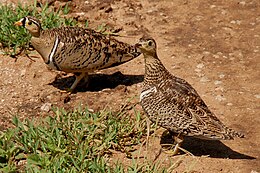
200	66
229	104
257	96
197	70
218	82
220	98
220	88
46	107
91	110
221	76
242	3
206	53
22	73
238	22
204	79
216	56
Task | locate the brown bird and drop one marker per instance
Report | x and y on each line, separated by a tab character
77	50
174	104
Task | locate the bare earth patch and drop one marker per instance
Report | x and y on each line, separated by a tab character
214	45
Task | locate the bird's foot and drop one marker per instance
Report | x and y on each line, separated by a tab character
67	90
172	149
175	148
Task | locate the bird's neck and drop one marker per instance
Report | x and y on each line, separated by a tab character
37	33
155	71
43	45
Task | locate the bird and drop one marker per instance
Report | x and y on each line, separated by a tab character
77	50
174	104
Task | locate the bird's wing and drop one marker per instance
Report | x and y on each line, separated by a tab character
86	49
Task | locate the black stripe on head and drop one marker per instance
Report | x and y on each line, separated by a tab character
34	20
147	38
23	20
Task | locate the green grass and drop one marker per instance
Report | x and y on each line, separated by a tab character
76	141
16	39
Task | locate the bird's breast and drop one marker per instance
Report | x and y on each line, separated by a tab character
42	47
147	93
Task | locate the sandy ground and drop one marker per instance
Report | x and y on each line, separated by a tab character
214	45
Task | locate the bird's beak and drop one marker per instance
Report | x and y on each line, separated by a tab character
19	23
138	45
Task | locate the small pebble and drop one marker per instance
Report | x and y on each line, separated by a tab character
238	22
200	65
221	76
242	3
46	107
22	73
229	104
216	56
218	82
220	98
204	79
257	96
206	52
197	70
220	88
90	110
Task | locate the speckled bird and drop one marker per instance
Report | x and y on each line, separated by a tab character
77	50
174	104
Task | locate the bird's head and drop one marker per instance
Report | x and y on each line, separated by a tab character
147	45
32	24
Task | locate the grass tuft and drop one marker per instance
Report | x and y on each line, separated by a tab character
77	141
16	39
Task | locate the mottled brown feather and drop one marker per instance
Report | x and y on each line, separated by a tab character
174	104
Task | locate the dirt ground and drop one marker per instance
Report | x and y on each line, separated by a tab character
213	44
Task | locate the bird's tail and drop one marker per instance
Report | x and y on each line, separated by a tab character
131	53
124	55
231	134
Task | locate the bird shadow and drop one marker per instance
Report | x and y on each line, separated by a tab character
97	82
210	148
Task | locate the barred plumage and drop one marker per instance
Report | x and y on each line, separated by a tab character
77	50
174	104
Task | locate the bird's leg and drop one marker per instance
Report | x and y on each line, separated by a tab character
148	132
85	79
78	76
178	139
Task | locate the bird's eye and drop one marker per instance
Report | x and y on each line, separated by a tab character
150	43
29	23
